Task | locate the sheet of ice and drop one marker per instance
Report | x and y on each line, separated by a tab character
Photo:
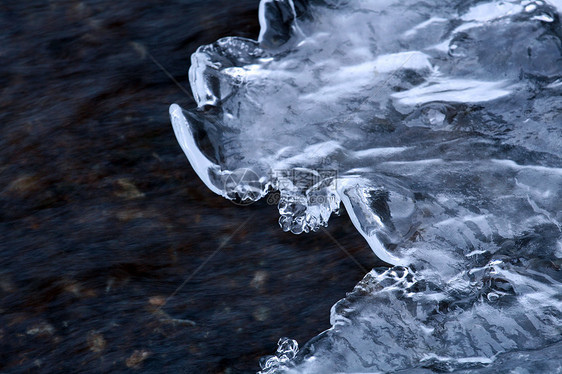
439	128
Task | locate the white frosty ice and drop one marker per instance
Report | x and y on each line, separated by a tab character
439	128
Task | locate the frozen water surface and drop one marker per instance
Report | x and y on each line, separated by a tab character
439	128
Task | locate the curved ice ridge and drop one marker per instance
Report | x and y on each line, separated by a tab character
328	117
439	128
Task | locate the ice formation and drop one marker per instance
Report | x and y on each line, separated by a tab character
439	128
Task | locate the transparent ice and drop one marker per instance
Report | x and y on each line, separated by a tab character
439	128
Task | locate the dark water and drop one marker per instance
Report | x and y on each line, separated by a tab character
102	219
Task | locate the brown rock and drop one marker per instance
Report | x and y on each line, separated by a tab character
157	300
128	190
24	185
137	358
96	342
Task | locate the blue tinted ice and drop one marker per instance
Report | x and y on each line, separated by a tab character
439	128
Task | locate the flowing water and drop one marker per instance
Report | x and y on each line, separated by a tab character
102	219
438	128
